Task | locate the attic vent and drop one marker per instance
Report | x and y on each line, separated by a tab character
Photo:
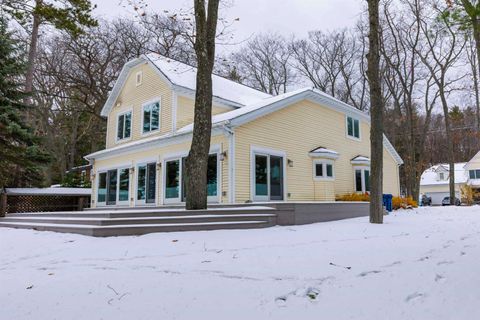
138	78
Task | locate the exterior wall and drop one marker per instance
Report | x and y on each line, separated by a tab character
439	188
296	130
158	155
133	97
185	111
474	163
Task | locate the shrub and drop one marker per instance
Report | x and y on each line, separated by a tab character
404	203
467	195
353	197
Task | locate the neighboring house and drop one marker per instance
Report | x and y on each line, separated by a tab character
299	146
434	181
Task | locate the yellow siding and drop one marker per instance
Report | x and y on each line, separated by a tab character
133	96
159	154
185	111
296	130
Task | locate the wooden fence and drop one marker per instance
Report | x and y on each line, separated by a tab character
15	202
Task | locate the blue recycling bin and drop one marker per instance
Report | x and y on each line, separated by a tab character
387	201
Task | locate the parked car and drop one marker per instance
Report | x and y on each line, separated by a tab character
426	201
446	201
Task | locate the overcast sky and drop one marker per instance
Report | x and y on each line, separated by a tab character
282	16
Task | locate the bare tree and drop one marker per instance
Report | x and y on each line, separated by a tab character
265	63
206	17
376	114
444	45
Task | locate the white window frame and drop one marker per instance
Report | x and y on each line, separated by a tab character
159	100
157	176
215	149
474	174
362	169
359	128
324	163
117	200
117	140
261	151
138	78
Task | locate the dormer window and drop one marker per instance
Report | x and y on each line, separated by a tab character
441	176
151	117
353	128
138	78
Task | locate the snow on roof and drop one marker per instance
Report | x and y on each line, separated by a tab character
323	150
184	75
361	158
430	176
226	116
49	191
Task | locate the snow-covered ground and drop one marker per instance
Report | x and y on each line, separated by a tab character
422	264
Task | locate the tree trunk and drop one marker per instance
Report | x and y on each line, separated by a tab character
197	159
376	114
451	154
32	52
476	73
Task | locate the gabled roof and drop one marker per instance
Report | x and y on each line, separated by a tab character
263	107
182	79
360	160
474	163
429	176
322	152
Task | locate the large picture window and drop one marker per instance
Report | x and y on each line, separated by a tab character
353	127
124	125
151	117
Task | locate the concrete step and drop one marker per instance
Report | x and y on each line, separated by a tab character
125	230
102	221
147	212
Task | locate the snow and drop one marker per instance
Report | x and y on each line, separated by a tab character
49	191
420	264
185	76
323	150
430	175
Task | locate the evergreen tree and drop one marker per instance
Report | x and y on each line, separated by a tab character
21	156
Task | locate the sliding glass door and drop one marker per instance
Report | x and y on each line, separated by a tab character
268	177
113	187
175	186
146	183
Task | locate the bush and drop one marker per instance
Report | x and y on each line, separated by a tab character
467	195
353	197
403	203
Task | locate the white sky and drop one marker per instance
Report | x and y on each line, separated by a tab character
283	16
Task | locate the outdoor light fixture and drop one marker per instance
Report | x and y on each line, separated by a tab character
132	170
290	162
223	155
159	165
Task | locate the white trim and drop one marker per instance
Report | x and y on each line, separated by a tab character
126	111
360	162
257	150
214	149
147	103
324	154
231	166
118	203
145	162
362	170
359	128
324	163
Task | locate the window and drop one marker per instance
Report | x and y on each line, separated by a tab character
138	78
362	180
474	174
124	125
441	176
151	117
353	127
323	169
102	187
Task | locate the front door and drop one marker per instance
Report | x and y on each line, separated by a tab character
268	177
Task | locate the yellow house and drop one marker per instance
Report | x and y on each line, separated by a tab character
300	146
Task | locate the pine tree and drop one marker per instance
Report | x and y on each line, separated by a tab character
21	156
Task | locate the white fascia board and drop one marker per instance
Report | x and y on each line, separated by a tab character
148	144
112	97
190	93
